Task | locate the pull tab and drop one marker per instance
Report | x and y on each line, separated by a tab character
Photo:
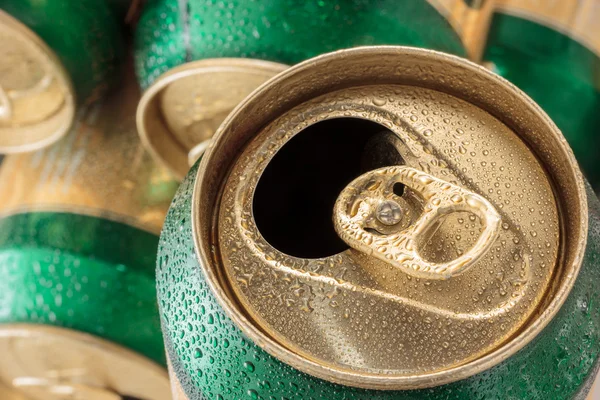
369	202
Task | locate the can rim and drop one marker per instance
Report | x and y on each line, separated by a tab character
390	382
161	144
60	73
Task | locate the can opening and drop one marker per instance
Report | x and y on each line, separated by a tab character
294	198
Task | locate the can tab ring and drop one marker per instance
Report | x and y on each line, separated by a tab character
367	209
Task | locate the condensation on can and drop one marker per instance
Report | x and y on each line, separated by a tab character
273	291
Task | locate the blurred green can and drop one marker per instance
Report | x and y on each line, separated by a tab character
53	56
220	51
383	223
551	50
79	225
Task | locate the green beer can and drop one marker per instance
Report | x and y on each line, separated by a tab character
53	55
79	224
551	50
383	223
198	59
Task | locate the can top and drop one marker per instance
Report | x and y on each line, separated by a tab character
37	102
181	111
50	363
390	218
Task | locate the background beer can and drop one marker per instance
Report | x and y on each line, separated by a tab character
54	54
262	295
79	231
551	50
243	43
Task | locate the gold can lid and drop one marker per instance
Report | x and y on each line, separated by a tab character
390	218
49	363
37	102
178	115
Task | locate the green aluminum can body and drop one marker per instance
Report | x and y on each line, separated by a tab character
85	35
80	272
216	340
551	51
172	32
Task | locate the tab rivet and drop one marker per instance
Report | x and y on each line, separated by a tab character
389	212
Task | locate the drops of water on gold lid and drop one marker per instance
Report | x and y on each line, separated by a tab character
357	311
389	218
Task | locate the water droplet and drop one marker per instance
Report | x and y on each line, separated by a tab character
249	366
197	353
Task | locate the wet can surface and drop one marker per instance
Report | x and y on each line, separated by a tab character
221	51
53	55
79	224
380	223
532	43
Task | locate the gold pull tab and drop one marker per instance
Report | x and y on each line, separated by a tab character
369	202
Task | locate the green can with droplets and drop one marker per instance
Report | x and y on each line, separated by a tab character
402	224
208	55
79	224
173	32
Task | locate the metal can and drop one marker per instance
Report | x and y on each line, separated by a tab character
52	53
383	223
241	44
79	224
532	43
